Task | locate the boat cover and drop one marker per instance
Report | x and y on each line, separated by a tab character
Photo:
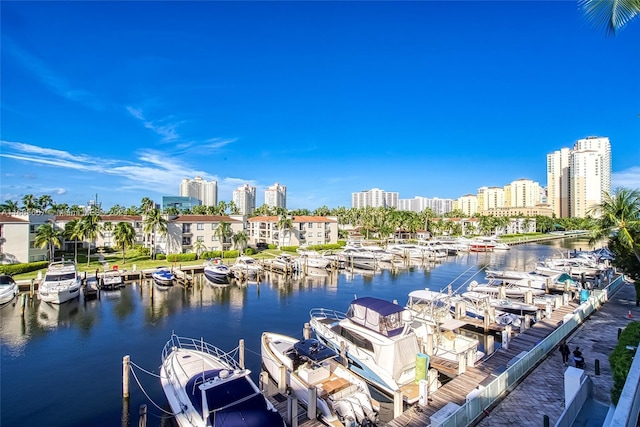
232	403
377	314
314	350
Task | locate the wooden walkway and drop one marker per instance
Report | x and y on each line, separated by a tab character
485	371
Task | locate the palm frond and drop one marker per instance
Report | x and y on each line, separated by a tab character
613	15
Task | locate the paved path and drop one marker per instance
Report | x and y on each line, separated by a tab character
542	392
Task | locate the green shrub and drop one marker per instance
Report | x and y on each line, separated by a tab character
181	257
249	251
272	246
13	269
210	255
231	254
161	256
621	358
289	248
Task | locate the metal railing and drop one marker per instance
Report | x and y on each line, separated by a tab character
572	410
475	407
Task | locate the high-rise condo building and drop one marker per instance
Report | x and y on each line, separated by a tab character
276	196
578	179
244	198
522	193
374	198
418	204
205	191
468	204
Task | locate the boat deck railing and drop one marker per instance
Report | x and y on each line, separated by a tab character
327	313
200	345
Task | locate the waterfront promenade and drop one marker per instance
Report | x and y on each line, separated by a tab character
542	391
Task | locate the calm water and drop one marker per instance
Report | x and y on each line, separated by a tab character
62	365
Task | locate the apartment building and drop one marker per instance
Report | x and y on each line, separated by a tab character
201	189
184	231
17	238
244	197
578	178
276	196
305	230
375	198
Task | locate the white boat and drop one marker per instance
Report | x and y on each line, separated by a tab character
342	397
111	280
206	387
553	280
576	267
377	341
283	263
504	305
409	251
216	272
246	266
162	276
516	289
311	259
356	257
61	283
8	288
435	327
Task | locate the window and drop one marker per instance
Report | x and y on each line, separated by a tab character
214	239
214	225
319	233
200	238
200	226
186	241
186	228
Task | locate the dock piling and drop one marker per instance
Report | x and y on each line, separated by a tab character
292	411
241	353
306	333
125	376
312	412
142	420
398	406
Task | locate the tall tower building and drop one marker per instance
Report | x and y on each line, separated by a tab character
276	196
558	182
205	191
522	193
578	179
375	198
244	198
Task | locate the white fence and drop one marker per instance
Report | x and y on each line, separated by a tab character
488	395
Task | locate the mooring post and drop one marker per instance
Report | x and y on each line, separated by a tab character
597	366
31	289
398	406
545	421
241	353
343	353
312	412
23	304
142	421
292	411
307	331
282	379
264	382
125	375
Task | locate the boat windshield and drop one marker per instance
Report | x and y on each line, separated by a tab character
57	277
6	280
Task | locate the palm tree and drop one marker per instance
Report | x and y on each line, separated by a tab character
233	208
222	233
619	212
9	206
73	231
47	235
285	223
30	202
613	15
154	222
146	204
91	229
124	235
44	202
198	246
240	240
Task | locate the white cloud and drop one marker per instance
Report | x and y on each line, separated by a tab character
167	130
629	178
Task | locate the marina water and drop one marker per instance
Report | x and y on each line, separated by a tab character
62	365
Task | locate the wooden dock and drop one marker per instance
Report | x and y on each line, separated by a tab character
486	370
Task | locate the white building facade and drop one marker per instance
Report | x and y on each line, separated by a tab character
375	198
577	179
244	197
201	189
276	196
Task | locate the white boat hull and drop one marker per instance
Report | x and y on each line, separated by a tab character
8	293
58	294
340	395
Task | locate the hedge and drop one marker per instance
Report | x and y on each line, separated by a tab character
181	257
13	269
249	251
219	254
621	358
161	256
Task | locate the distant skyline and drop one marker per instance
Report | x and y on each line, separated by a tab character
431	99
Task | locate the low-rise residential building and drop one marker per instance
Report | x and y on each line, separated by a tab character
184	231
17	238
305	230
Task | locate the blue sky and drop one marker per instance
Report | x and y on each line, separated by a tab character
432	99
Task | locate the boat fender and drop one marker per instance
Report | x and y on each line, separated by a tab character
224	374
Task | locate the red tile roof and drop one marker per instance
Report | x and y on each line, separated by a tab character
296	219
9	218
